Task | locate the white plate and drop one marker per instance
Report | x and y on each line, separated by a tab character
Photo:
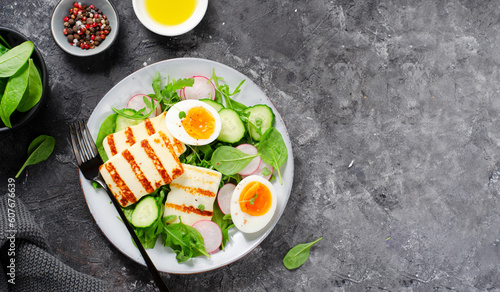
106	216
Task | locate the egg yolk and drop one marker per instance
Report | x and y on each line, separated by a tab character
199	123
255	199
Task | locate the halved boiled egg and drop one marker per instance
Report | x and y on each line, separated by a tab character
193	122
253	204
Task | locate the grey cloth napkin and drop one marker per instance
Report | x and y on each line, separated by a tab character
26	262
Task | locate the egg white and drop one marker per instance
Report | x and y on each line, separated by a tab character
245	222
175	127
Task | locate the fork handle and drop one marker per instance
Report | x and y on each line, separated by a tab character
151	266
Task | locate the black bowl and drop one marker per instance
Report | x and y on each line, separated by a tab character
19	119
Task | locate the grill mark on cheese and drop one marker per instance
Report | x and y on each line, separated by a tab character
179	147
127	195
176	172
112	145
194	191
169	146
149	127
156	161
129	134
137	171
206	172
189	209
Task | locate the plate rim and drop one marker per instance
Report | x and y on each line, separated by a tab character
289	164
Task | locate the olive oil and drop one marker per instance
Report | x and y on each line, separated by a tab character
170	12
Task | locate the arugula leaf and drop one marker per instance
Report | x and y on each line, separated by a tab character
14	59
225	94
137	115
272	149
157	86
298	255
169	93
229	160
185	241
39	150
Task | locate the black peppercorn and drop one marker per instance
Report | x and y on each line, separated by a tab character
70	31
70	38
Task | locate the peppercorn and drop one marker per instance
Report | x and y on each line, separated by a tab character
86	26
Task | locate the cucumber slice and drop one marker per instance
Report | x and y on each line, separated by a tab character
145	213
232	129
217	106
123	122
261	118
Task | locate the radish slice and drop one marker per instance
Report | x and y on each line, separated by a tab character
254	164
224	197
264	170
136	102
202	88
211	233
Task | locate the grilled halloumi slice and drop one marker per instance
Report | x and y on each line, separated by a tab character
141	169
119	141
196	186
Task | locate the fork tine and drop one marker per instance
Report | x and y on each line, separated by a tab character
90	141
85	141
75	146
79	138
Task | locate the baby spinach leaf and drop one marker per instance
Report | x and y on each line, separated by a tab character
14	91
272	149
34	90
14	59
229	160
224	221
186	241
107	127
39	150
298	255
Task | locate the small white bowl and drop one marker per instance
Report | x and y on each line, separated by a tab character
170	30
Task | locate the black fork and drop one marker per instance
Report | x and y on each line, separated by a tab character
88	160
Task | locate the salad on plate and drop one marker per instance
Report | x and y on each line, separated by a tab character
189	163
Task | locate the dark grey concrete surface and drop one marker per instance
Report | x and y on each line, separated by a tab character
393	111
